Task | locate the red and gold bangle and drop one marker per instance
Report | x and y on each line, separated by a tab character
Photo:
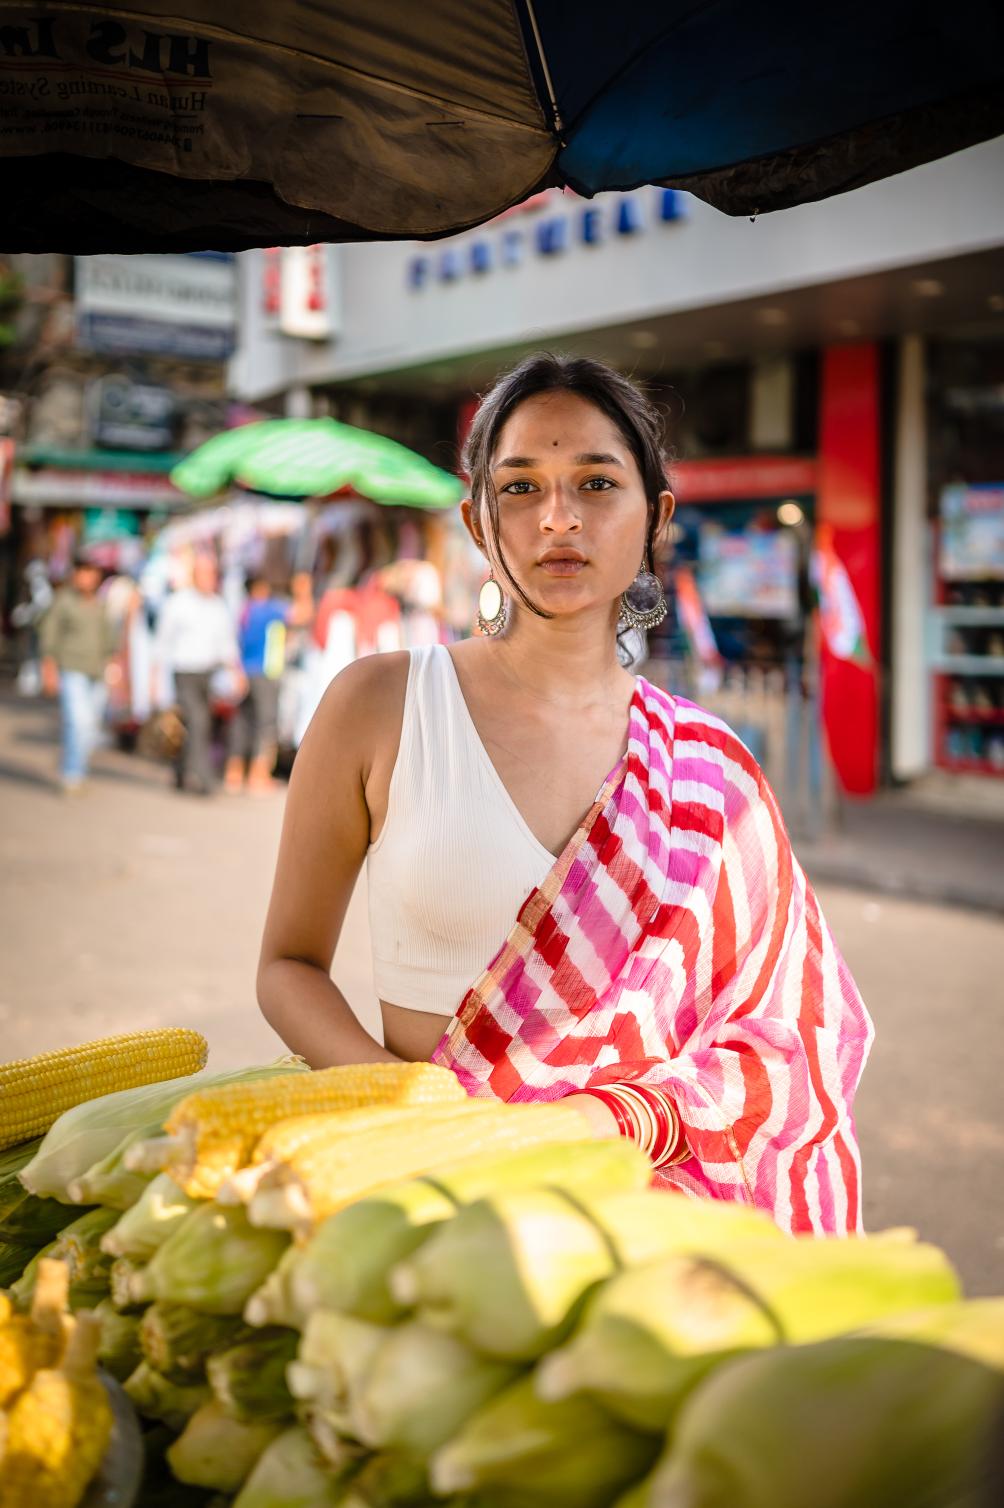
608	1097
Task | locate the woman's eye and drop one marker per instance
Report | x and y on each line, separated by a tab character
523	486
599	483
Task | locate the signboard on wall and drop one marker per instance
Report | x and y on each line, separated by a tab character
127	415
309	293
158	305
971	545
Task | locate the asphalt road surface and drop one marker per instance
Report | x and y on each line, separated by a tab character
132	906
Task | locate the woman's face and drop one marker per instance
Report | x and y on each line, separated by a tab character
572	506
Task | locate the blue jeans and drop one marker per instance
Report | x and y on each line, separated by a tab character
82	704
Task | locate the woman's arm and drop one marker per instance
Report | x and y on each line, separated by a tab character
326	832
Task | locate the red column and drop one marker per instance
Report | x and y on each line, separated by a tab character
848	500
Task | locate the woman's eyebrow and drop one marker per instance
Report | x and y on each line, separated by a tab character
588	458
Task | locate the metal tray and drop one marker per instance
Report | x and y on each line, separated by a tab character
117	1482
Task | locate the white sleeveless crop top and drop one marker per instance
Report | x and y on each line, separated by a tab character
454	861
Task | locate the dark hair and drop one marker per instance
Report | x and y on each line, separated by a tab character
636	418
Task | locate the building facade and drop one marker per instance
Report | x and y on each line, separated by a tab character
832	381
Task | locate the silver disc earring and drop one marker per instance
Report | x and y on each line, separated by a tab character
643	605
491	608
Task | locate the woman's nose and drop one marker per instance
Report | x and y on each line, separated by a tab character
560	513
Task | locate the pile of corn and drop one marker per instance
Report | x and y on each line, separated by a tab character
356	1287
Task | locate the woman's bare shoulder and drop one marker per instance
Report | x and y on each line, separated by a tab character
364	703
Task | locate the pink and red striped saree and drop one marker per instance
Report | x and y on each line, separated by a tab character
676	942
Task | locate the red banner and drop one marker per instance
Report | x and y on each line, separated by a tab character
848	500
742	477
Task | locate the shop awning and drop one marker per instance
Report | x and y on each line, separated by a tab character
157	463
173	126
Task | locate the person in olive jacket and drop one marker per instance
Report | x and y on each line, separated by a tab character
78	640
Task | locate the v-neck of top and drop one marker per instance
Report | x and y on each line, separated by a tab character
493	774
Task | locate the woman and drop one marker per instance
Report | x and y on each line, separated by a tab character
579	885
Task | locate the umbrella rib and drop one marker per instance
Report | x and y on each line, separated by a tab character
559	125
224	33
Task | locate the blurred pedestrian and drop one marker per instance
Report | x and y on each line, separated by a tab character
195	637
254	727
77	641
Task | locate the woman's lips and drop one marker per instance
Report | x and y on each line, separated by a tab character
562	567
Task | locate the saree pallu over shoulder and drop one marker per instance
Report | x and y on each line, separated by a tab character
676	942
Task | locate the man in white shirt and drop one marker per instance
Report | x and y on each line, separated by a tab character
195	637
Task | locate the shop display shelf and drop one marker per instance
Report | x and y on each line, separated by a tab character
984	665
981	719
978	617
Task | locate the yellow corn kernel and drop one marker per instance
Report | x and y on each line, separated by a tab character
213	1132
59	1427
34	1092
328	1172
29	1342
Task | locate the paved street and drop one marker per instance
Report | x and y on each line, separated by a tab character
132	906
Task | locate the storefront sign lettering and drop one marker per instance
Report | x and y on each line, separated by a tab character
550	236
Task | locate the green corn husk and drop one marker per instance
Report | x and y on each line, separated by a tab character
388	1480
853	1420
142	1229
638	1496
23	1288
14	1258
119	1352
543	1249
336	1351
109	1181
80	1244
249	1379
651	1334
218	1452
157	1397
176	1339
275	1302
24	1217
348	1262
506	1273
328	1429
121	1281
291	1474
420	1388
213	1260
102	1128
522	1452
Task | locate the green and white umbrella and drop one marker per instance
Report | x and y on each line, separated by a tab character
312	458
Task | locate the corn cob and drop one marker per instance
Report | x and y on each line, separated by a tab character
59	1428
544	1248
212	1133
347	1263
156	1397
119	1352
335	1353
176	1339
249	1378
34	1092
139	1232
123	1278
218	1452
562	1455
420	1388
291	1474
853	1419
29	1343
294	1137
213	1261
322	1178
650	1335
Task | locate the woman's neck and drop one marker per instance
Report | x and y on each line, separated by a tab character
562	659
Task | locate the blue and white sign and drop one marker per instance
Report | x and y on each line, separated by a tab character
548	233
171	305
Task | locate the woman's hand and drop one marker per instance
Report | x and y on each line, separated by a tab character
601	1119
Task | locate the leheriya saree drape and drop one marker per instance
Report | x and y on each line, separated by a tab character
676	942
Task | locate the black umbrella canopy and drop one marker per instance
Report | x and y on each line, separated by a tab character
197	124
